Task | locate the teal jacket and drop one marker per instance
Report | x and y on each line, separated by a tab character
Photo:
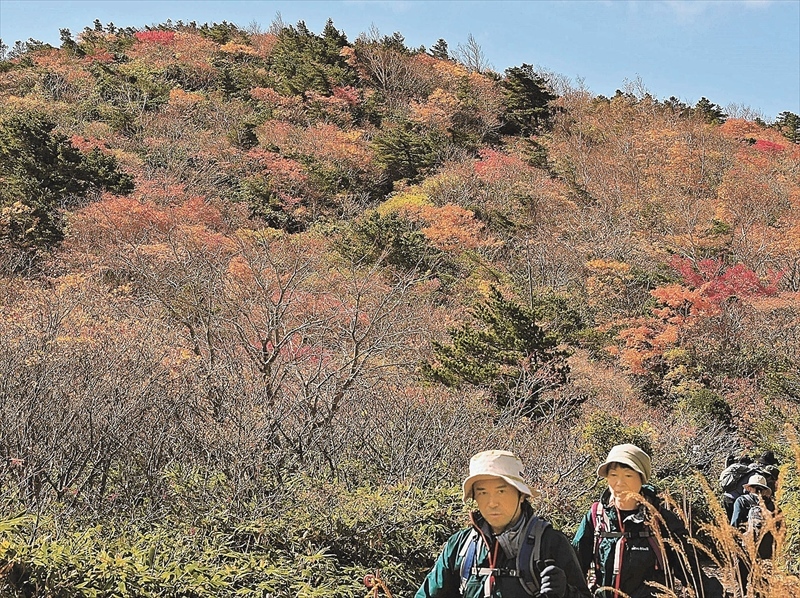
639	562
444	580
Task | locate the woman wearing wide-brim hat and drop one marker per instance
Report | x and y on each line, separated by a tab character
627	540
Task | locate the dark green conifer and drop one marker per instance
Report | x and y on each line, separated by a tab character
439	50
710	112
43	172
788	123
302	61
527	101
505	351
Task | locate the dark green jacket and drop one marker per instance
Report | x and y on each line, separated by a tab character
639	562
444	580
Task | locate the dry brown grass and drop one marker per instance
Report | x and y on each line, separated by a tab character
734	555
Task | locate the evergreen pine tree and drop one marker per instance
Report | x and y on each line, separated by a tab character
302	61
788	123
404	152
710	112
527	101
42	172
439	50
506	351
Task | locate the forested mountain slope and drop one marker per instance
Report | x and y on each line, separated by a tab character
263	294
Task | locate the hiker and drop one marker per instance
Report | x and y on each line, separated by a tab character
732	480
748	513
767	458
507	551
750	518
622	540
771	473
767	465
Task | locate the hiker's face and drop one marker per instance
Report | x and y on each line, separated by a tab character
499	502
623	482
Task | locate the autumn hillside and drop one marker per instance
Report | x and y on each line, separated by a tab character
265	292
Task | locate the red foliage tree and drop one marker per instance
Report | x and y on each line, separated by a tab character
155	37
708	286
768	146
716	282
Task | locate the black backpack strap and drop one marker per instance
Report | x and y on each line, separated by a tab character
601	530
641	534
529	554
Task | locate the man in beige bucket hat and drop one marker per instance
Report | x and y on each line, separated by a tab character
758	496
496	464
507	551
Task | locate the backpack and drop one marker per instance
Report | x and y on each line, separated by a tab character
755	516
731	475
529	554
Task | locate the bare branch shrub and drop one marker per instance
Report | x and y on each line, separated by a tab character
470	54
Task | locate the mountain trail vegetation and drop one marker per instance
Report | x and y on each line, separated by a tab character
264	292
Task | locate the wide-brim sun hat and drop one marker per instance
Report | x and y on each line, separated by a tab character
630	455
497	464
758	481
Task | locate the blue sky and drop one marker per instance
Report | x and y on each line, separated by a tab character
743	52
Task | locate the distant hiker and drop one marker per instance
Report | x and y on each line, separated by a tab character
507	551
732	480
771	473
625	541
767	465
750	513
754	514
767	458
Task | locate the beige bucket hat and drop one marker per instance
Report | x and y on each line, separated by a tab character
630	455
759	481
497	464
